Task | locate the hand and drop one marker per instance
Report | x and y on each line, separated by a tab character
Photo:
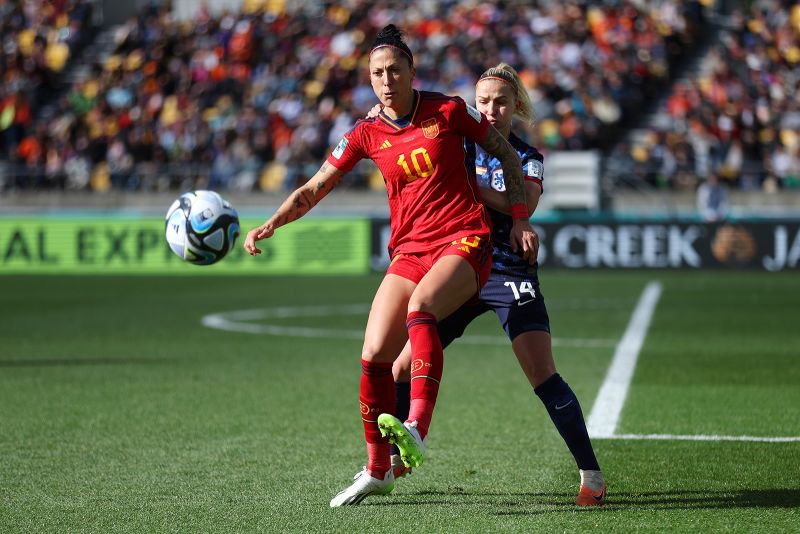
523	236
257	234
375	111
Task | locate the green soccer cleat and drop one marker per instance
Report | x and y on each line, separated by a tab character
405	436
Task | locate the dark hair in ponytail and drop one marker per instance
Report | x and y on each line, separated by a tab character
391	36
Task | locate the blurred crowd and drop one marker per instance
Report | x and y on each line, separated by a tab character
38	37
254	99
736	122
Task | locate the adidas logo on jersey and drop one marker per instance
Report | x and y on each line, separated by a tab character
386	144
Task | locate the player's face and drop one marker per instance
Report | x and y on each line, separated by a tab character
391	75
497	101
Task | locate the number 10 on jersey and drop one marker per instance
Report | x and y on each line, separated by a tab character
420	160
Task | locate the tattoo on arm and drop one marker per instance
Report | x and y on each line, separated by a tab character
329	178
306	197
497	145
303	200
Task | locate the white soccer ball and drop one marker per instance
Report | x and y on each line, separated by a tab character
201	227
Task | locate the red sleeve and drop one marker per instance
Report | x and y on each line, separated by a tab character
467	120
349	151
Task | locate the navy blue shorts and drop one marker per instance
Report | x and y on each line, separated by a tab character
517	301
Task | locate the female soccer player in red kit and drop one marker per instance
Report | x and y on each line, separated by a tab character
440	249
513	291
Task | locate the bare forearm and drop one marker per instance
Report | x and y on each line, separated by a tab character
498	146
498	200
306	197
298	204
522	235
515	182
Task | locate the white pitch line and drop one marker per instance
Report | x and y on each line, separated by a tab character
700	437
611	398
240	321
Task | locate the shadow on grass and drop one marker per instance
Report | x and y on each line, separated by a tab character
534	503
70	362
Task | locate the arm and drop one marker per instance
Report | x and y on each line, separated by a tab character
298	204
495	144
498	200
522	235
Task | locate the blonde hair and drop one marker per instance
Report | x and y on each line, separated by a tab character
506	74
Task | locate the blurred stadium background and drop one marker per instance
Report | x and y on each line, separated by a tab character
671	134
680	113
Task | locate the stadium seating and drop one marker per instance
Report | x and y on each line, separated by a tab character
254	99
39	38
737	116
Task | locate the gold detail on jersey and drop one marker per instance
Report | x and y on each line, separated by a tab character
467	243
386	144
430	128
418	172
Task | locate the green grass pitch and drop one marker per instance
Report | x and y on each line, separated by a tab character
121	412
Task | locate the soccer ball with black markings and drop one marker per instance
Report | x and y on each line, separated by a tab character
201	227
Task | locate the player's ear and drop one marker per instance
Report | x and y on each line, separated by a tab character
413	72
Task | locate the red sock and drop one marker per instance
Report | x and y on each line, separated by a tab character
427	360
377	397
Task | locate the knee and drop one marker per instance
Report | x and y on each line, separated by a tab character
421	303
370	353
374	352
540	375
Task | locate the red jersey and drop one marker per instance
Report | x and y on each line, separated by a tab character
433	197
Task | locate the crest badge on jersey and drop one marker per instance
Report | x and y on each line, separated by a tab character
339	150
498	183
430	128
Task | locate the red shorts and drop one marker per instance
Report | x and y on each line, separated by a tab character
476	250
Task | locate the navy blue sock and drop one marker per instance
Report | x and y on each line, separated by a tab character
402	396
565	411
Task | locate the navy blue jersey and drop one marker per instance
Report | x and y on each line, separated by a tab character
512	291
489	173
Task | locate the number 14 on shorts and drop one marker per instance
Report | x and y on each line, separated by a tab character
524	287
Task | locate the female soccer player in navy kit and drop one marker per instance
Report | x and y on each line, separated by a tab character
439	247
512	290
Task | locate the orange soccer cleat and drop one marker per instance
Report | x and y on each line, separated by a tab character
587	497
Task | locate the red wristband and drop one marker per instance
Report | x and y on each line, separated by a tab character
519	212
